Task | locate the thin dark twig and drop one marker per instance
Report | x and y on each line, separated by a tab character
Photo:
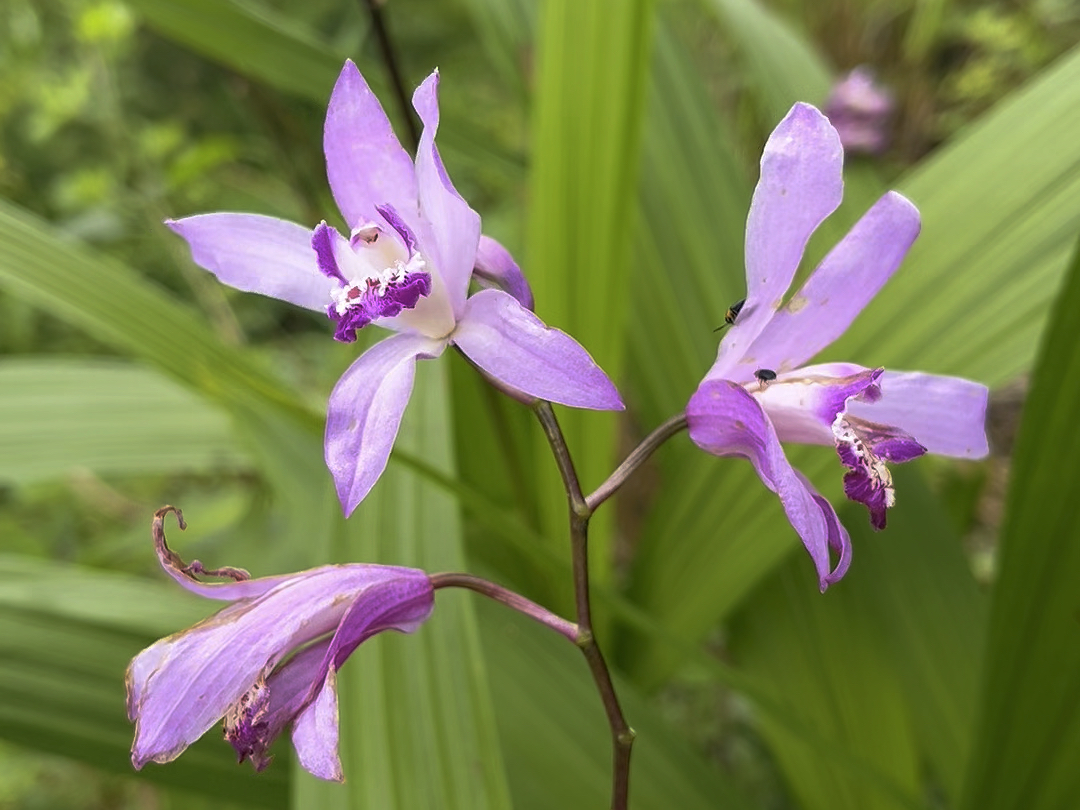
637	457
622	736
390	60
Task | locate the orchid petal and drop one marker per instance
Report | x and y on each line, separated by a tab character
841	287
365	164
725	420
801	184
455	227
365	410
947	415
516	349
496	267
316	730
257	254
839	539
179	687
401	605
803	403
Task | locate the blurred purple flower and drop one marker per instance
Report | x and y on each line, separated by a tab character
406	266
860	109
870	416
236	665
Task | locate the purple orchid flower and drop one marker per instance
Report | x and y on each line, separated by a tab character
406	265
236	665
758	392
860	108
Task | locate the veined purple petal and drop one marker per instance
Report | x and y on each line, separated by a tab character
365	164
257	254
365	410
801	184
839	539
725	420
325	242
454	226
496	267
802	404
401	606
315	733
842	285
179	687
394	220
515	348
946	414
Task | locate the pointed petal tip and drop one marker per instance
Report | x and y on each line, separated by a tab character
803	114
608	399
349	71
803	108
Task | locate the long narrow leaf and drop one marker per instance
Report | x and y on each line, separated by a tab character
590	97
1029	717
57	414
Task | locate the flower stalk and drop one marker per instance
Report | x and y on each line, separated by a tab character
509	598
622	736
638	456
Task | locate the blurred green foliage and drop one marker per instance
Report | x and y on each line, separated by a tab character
115	116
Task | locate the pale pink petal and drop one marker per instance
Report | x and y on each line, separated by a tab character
801	184
365	410
947	415
841	287
257	254
365	164
517	350
453	226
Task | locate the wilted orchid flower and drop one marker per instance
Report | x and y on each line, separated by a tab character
405	265
860	109
236	665
758	392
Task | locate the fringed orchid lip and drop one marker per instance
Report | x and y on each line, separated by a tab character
864	448
373	276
